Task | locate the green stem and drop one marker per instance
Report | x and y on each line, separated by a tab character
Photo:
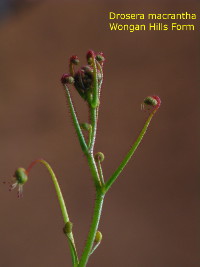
94	109
101	81
75	121
100	171
95	99
90	137
94	248
93	121
94	170
93	230
113	178
62	207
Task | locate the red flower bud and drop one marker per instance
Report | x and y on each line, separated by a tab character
90	54
67	79
74	60
153	101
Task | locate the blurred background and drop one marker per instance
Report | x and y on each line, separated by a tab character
151	214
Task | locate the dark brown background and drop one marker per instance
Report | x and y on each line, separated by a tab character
150	217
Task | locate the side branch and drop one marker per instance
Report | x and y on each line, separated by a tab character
75	121
62	206
115	175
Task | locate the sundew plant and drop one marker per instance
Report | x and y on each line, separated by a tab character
87	81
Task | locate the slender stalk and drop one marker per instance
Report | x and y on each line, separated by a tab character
94	108
94	248
114	176
93	229
94	170
93	118
90	137
71	69
62	207
100	171
99	89
75	121
95	100
99	67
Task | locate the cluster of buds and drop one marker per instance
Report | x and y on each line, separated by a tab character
84	78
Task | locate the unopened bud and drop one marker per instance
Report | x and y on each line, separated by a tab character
68	227
99	157
149	100
98	237
153	101
86	126
100	57
67	79
74	60
90	54
21	176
